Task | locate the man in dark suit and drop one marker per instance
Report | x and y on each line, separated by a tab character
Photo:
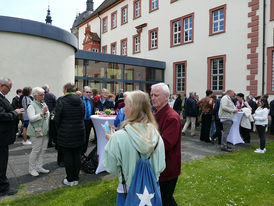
8	117
89	110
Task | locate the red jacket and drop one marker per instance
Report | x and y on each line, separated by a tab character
170	128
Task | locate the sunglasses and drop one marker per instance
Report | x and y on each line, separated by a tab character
9	88
88	92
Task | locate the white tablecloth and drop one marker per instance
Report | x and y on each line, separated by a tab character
98	121
234	136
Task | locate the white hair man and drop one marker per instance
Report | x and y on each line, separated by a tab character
8	117
170	128
104	102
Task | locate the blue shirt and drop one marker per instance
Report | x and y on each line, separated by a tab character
119	118
88	108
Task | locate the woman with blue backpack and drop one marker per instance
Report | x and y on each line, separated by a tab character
136	152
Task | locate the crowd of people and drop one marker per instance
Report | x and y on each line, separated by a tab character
147	126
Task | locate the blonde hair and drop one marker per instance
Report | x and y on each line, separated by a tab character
141	113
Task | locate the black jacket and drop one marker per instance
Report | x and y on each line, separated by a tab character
107	104
15	102
178	104
272	108
8	119
69	120
50	100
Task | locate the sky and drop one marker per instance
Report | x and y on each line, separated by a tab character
63	12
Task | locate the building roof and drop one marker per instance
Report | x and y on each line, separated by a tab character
89	14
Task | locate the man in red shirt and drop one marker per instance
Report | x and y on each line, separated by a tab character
170	128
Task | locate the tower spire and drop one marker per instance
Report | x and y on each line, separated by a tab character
48	17
89	5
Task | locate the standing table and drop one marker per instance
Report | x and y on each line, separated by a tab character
234	136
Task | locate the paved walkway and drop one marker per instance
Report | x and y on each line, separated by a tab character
192	149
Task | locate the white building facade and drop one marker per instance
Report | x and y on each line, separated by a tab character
217	45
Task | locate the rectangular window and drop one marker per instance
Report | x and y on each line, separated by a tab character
216	73
136	44
105	24
272	83
270	70
217	20
137	9
113	48
104	49
182	30
188	29
153	39
114	20
124	14
95	50
124	47
153	5
180	77
271	10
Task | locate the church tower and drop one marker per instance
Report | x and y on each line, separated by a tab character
48	17
89	5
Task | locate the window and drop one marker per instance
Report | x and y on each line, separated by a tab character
270	70
124	47
137	9
179	77
216	73
217	20
114	20
124	14
182	30
136	44
271	10
104	49
153	39
153	5
113	48
105	24
95	50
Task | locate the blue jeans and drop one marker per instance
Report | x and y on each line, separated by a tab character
121	198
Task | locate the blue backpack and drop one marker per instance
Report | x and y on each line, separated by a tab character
144	190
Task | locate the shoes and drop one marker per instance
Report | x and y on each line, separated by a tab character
34	173
26	142
226	149
42	170
8	192
260	151
73	183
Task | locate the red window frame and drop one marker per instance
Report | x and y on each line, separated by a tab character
121	46
174	75
150	6
134	4
113	27
269	70
105	19
209	71
133	42
126	6
113	43
211	19
106	48
271	10
149	38
181	19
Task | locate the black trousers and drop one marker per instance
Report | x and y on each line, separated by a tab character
272	125
261	133
72	160
245	133
167	189
205	128
88	126
4	183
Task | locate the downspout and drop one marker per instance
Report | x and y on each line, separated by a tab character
263	59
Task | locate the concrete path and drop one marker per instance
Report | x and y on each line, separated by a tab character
192	149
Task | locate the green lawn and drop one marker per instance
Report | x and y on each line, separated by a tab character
240	178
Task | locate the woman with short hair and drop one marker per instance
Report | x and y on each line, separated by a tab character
38	115
139	134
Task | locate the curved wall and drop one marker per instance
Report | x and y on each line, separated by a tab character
33	54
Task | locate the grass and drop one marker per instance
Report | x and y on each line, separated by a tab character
240	178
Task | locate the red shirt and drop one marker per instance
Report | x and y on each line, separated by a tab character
96	98
170	128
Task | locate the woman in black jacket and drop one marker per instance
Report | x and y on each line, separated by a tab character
69	119
178	104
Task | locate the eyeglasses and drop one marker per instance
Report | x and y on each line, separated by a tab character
9	88
88	92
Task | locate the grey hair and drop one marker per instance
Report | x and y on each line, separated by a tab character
5	81
86	87
45	87
163	86
191	94
104	90
37	90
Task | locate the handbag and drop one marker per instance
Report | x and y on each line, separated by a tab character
38	130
